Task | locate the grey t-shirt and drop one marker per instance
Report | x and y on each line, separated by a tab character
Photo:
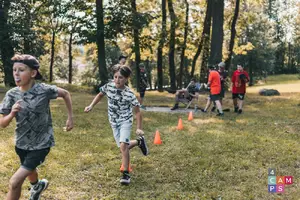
120	103
33	122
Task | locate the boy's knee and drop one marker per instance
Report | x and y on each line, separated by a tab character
123	146
15	183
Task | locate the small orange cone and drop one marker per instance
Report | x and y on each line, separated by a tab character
157	139
122	168
190	118
179	126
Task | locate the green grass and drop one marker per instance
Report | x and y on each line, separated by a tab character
229	157
282	78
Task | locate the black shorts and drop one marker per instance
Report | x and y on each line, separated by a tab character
214	97
222	93
30	159
239	96
142	93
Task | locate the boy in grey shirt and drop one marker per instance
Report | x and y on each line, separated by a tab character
29	104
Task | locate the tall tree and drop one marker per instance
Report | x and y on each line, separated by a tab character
182	57
136	43
217	32
206	40
233	33
100	42
172	46
6	48
160	47
205	33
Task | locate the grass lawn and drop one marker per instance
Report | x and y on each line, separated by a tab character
211	157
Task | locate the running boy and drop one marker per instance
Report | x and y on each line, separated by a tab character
120	102
29	104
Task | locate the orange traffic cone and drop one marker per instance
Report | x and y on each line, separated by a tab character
157	139
190	118
122	168
179	126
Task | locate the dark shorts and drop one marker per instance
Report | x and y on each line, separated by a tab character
239	96
214	97
222	93
30	159
142	93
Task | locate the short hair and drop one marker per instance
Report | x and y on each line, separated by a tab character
29	61
221	65
122	56
124	70
193	79
211	67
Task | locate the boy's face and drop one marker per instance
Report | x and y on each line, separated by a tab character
240	68
23	74
122	61
119	80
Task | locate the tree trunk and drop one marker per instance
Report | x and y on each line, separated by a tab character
217	32
136	44
205	31
160	47
6	48
233	33
70	58
182	58
52	56
206	38
172	46
149	75
101	43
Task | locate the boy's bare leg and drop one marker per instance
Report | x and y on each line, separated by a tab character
219	106
208	103
33	177
132	144
235	103
124	147
241	104
15	183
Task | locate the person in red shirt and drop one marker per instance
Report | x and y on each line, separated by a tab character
239	79
214	82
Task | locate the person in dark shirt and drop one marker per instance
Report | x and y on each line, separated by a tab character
143	84
189	93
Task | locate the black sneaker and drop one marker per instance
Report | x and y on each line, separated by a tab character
142	144
125	180
226	110
236	109
220	114
175	107
213	109
36	190
202	110
240	111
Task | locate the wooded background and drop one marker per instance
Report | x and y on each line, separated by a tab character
79	40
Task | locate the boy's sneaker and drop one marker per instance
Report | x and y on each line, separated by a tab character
220	114
142	144
202	110
213	109
36	190
125	180
236	109
175	107
240	111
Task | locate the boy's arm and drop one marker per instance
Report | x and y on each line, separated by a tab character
6	119
67	98
138	116
96	100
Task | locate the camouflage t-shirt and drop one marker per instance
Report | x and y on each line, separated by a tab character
120	103
33	122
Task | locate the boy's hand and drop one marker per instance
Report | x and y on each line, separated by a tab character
16	107
69	125
88	109
139	132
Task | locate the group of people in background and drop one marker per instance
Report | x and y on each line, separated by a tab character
217	86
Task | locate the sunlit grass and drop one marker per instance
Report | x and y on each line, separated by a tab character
211	157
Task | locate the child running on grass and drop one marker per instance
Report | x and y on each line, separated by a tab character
120	102
29	104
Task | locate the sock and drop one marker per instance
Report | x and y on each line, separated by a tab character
33	184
